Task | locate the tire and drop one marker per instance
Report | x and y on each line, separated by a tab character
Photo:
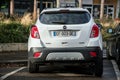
99	67
118	56
118	61
108	55
32	67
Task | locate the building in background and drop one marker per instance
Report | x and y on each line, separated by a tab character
118	9
4	6
17	6
111	8
67	3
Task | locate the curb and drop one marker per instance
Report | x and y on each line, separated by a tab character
116	69
14	62
6	47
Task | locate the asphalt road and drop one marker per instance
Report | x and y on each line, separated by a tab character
21	73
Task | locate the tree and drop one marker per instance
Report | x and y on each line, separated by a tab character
35	10
11	7
102	9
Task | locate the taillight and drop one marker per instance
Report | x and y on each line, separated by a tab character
37	54
34	32
94	32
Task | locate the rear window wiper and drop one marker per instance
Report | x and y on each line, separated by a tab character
59	22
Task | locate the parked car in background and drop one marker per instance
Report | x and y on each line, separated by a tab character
66	36
113	44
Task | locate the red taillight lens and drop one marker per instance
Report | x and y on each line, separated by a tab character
34	32
93	54
37	54
94	32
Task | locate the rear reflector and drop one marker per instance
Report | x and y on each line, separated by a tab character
37	54
93	54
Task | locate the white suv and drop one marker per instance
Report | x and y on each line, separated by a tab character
65	35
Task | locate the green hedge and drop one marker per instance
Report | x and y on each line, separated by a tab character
13	33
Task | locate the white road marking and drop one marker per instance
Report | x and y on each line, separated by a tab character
11	73
117	71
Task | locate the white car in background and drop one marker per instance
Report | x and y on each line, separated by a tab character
66	36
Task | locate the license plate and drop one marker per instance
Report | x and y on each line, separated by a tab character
64	33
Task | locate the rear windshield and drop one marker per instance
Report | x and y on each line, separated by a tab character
79	17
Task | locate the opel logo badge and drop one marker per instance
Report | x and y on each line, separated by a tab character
64	27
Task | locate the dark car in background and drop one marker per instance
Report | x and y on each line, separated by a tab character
113	44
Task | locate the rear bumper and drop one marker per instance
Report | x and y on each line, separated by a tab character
46	51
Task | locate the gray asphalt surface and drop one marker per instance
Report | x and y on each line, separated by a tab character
55	74
60	74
